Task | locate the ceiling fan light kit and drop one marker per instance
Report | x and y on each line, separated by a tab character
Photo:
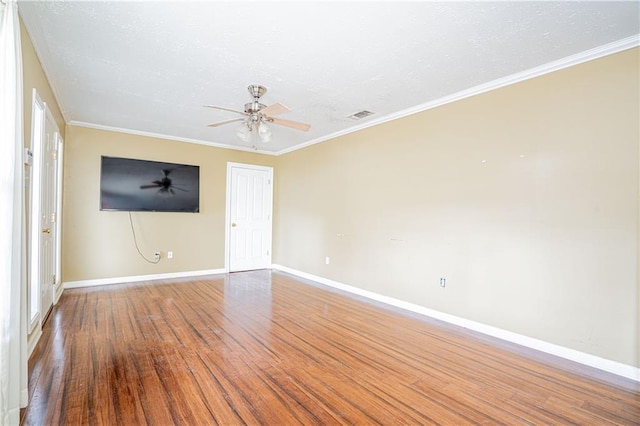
244	132
257	115
264	132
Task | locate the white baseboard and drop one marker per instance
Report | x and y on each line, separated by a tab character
33	338
137	278
57	292
610	366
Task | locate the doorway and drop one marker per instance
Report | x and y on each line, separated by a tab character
249	217
44	205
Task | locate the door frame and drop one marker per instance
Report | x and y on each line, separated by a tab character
57	287
34	177
227	221
34	160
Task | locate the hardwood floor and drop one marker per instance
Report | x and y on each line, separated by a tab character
264	348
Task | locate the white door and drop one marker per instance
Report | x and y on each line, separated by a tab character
34	159
48	219
249	204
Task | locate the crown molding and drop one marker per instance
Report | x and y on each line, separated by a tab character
163	136
569	61
42	52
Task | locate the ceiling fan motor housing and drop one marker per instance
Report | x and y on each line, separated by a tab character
253	107
256	91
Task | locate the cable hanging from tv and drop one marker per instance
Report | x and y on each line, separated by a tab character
135	241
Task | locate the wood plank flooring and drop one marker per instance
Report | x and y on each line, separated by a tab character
263	348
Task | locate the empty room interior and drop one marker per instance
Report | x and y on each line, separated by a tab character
321	213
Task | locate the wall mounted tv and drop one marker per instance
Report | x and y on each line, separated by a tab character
127	184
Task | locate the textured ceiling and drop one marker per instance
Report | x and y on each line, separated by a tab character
149	67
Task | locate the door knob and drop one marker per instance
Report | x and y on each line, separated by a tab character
46	231
233	225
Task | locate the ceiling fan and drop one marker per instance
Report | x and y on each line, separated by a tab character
256	115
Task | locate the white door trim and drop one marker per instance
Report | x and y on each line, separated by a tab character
57	289
227	221
33	293
36	185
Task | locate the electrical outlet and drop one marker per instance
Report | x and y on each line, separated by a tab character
326	260
169	255
443	282
156	255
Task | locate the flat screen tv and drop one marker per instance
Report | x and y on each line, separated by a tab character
127	184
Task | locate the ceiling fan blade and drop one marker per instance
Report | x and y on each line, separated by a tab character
293	124
149	186
225	109
274	109
220	123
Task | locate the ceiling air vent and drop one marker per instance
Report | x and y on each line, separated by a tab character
360	115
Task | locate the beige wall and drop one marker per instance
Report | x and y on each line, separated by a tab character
33	77
540	239
524	198
99	244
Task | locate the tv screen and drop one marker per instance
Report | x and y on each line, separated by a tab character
127	184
